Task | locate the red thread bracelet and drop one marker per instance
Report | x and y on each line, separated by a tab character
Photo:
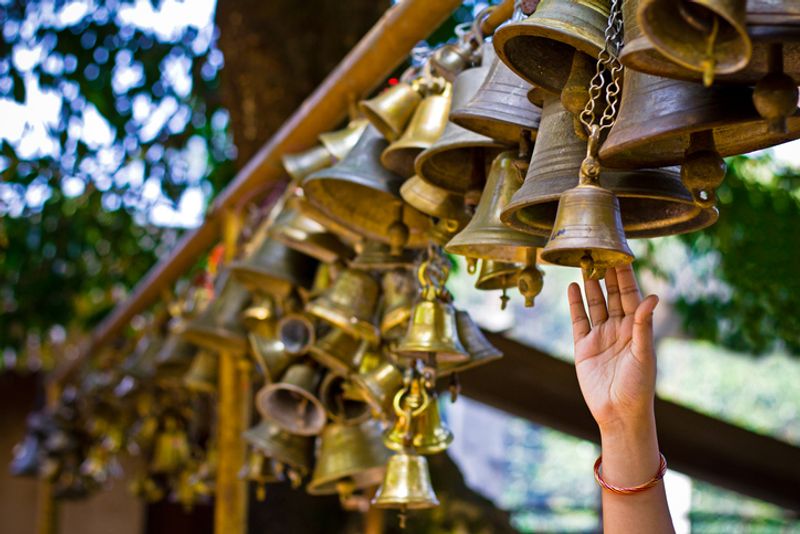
662	469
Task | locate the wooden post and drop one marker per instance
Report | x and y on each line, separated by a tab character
46	505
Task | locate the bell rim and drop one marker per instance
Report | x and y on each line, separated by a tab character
356	127
265	393
327	485
343	419
334	315
447	208
323	246
443	354
397	316
429	448
309	326
391	503
293	170
495	282
215	338
276	450
259	279
331	362
501	126
494	244
454	182
477	360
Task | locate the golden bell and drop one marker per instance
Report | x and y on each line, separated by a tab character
171	451
707	36
341	142
426	126
377	256
392	108
399	290
274	270
292	403
450	60
432	332
500	109
296	333
218	327
289	449
480	350
497	275
588	232
337	350
345	233
540	48
339	404
349	456
202	375
260	470
485	236
350	304
260	321
359	192
427	432
407	484
432	200
379	386
260	316
306	235
301	164
457	161
653	202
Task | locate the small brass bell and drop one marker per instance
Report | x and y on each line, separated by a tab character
432	200
305	235
341	142
379	386
481	351
707	36
399	290
350	456
350	304
171	451
426	126
296	333
333	394
289	449
540	48
300	165
274	270
407	484
337	350
218	327
260	316
260	470
202	374
292	403
270	355
498	275
392	108
377	256
451	59
418	425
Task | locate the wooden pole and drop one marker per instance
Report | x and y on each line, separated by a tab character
46	505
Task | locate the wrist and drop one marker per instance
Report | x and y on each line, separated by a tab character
630	450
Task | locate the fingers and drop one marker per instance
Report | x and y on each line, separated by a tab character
628	289
580	323
643	325
596	301
612	288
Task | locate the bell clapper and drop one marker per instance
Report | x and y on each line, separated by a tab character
398	232
703	169
454	387
775	95
504	298
709	64
530	282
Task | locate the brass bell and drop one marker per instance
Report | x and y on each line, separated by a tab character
301	164
369	360
350	304
341	142
171	451
274	270
260	321
419	424
292	403
480	350
500	109
432	200
175	356
359	192
296	333
306	235
345	233
392	108
707	36
377	256
350	457
457	161
202	374
653	202
218	327
449	60
498	275
337	350
485	236
426	126
540	48
260	316
334	393
379	386
289	449
443	230
399	290
260	470
407	484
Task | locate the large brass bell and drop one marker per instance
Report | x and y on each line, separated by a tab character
407	484
419	424
171	451
540	48
480	350
292	403
218	327
301	164
289	449
337	350
359	193
306	235
296	333
486	236
377	256
341	142
432	200
392	108
335	395
707	36
350	457
399	290
275	270
653	202
500	109
426	126
202	374
350	304
379	386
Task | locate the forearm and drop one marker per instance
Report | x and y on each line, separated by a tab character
631	457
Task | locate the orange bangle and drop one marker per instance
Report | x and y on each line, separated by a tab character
662	469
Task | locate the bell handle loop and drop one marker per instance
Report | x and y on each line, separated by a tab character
475	35
411	413
590	167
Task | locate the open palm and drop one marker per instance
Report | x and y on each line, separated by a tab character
614	355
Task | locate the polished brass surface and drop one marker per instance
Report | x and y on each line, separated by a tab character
379	386
494	275
218	327
351	456
540	48
260	317
203	373
707	36
775	95
345	233
427	432
350	304
392	108
341	408
480	350
653	202
425	127
269	355
530	282
292	403
451	59
486	236
341	142
432	200
286	448
407	484
432	332
301	164
500	109
306	235
657	117
296	333
337	350
361	194
377	256
275	269
399	290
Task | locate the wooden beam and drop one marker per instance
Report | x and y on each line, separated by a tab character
531	384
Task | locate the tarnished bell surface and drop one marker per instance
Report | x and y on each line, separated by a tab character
707	36
218	328
588	232
653	202
379	386
458	160
407	484
292	403
432	200
449	60
275	269
306	235
399	290
426	126
500	109
289	449
497	275
361	194
300	165
377	256
480	350
260	317
432	331
540	48
348	456
340	407
341	142
391	110
767	22
485	236
202	375
296	333
429	435
658	115
269	352
350	304
337	350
